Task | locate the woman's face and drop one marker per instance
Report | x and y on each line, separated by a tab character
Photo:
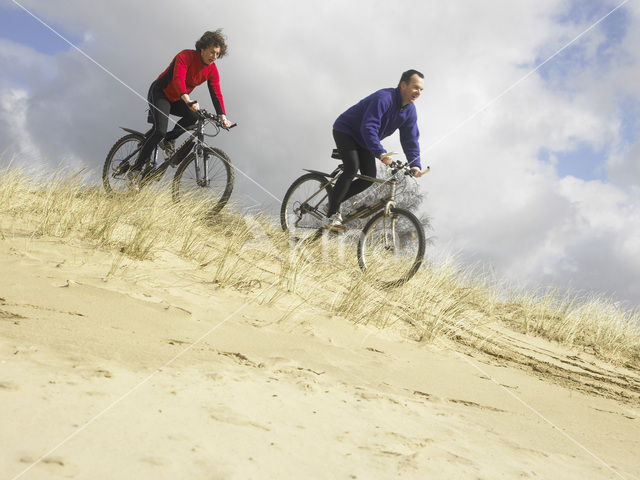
209	54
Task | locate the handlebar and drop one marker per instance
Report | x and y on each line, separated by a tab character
397	165
204	115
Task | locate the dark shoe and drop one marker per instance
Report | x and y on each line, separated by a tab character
168	146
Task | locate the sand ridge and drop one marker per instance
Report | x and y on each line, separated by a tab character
275	393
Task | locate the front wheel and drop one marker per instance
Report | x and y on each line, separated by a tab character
305	205
391	247
208	178
120	159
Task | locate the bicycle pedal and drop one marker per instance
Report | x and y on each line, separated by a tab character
121	169
336	230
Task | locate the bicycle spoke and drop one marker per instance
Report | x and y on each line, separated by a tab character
121	157
305	204
391	247
212	184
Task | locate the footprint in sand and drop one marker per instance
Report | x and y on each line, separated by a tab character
227	415
57	461
10	315
95	394
9	386
99	372
305	378
158	462
467	403
241	359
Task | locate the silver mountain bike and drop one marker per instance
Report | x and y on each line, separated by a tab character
392	242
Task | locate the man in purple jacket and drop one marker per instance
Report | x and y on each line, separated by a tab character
358	131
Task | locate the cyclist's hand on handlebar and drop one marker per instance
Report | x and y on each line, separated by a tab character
225	122
387	160
417	173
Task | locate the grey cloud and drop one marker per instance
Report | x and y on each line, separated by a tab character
624	169
294	66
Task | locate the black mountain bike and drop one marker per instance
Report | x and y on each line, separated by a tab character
202	171
392	242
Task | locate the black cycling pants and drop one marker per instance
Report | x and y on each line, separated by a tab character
159	110
354	158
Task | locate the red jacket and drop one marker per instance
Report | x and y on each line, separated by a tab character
185	73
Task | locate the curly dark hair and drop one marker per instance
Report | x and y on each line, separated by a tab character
216	38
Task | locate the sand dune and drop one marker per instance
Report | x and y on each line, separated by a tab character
158	373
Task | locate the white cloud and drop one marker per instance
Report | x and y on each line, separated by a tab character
294	66
624	168
13	121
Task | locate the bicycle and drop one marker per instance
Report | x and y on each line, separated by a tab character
392	242
202	171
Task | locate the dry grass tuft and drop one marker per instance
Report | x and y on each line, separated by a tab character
595	324
246	251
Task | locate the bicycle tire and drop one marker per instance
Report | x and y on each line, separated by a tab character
111	179
297	186
221	172
390	259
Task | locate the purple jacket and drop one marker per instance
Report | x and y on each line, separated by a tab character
378	116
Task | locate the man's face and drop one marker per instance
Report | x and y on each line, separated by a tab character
209	54
412	90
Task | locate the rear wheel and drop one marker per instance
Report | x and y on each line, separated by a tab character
190	181
119	160
391	247
305	205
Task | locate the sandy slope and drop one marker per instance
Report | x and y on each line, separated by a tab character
101	380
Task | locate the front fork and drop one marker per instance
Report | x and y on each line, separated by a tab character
202	173
389	242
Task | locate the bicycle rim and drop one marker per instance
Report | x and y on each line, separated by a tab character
123	154
391	247
190	182
305	205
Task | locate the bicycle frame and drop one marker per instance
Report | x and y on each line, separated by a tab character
386	203
154	157
197	143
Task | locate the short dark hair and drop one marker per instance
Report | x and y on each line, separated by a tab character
406	76
216	39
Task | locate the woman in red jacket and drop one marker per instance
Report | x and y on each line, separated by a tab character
169	93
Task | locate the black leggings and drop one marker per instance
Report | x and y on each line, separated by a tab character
354	157
159	110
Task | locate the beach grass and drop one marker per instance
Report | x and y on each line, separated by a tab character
239	249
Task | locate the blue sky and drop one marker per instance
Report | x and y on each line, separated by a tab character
566	73
581	162
20	27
